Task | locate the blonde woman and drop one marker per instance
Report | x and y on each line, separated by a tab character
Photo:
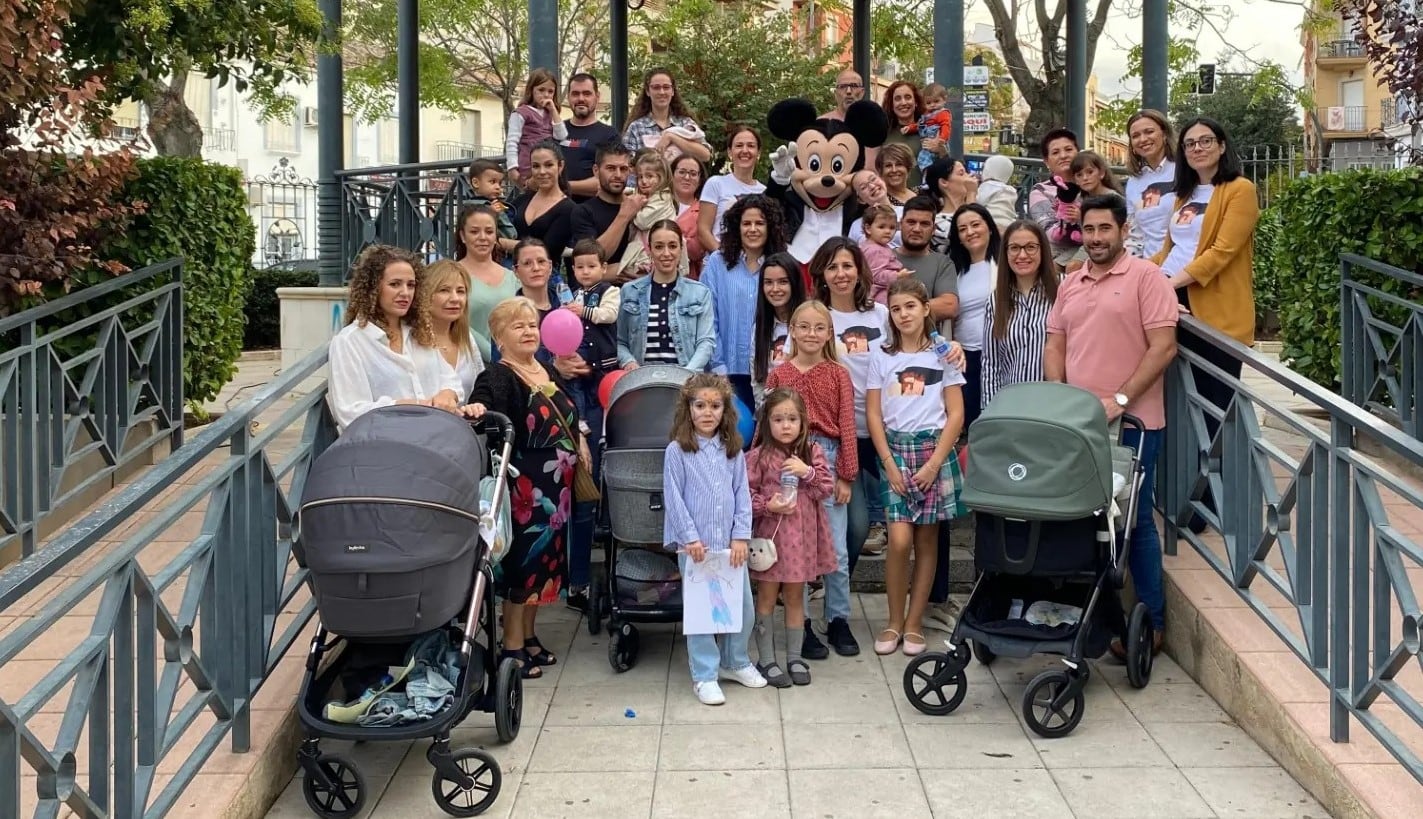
442	297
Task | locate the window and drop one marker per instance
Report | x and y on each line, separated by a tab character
282	136
471	128
387	142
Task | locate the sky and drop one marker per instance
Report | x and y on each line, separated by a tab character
1266	30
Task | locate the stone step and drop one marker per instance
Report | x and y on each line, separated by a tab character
869	570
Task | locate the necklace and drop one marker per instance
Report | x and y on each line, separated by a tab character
535	369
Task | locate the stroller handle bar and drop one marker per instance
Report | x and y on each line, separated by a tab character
499	420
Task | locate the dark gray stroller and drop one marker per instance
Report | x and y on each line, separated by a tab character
390	529
640	582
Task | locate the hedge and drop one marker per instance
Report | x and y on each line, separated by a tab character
1377	214
1266	274
264	323
197	210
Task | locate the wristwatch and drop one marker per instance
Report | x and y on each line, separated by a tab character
1122	400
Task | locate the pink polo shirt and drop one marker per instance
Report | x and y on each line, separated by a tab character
1104	316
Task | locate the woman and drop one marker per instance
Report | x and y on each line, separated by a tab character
951	187
903	106
660	120
666	318
547	445
754	229
534	269
443	297
1153	171
374	360
1059	147
687	176
476	231
781	291
974	249
546	211
743	150
893	163
1015	323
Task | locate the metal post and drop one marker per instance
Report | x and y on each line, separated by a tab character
330	150
1155	82
618	19
543	35
1077	68
948	63
407	68
860	44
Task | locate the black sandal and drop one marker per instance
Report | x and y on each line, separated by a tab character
543	657
528	669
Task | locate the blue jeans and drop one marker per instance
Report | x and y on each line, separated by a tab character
866	504
837	583
704	654
1145	557
580	541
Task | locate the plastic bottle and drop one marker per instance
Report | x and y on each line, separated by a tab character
789	484
942	347
565	295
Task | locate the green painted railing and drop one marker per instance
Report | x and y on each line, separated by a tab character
1381	366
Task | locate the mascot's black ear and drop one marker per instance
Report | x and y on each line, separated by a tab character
867	122
787	119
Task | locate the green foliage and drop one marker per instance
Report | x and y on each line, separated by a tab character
1182	59
197	210
1259	109
263	309
1266	273
1376	214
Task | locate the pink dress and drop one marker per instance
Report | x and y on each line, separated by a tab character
804	547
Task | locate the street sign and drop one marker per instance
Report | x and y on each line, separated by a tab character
977	122
975	75
975	99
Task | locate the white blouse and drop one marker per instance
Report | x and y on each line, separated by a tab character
366	373
468	368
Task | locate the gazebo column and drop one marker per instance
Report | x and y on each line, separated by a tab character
618	42
1155	86
860	44
543	35
407	69
948	63
1077	68
330	151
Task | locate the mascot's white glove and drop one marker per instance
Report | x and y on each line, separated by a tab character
783	163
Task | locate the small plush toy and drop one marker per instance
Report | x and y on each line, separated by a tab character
1067	229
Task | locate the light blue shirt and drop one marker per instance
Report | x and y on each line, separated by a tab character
734	296
697	505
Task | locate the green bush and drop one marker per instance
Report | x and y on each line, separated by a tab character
1376	214
196	210
1266	274
264	322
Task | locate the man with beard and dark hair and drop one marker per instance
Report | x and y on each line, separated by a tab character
607	217
585	134
1112	331
933	270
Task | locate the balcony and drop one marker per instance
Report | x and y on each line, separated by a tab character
446	150
220	139
1394	112
121	129
1339	120
1344	51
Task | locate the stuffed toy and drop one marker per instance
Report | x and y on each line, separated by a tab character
1065	230
812	174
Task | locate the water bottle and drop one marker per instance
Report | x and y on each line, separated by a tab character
942	347
789	483
565	295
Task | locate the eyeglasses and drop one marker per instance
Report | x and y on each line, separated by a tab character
811	328
687	174
1204	143
849	86
1024	250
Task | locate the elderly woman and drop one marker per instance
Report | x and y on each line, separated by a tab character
666	318
375	360
547	447
755	229
660	121
1059	219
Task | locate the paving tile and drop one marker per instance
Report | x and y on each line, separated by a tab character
726	747
1164	671
994	793
1209	745
855	793
608	704
755	706
713	792
1170	703
603	795
820	702
1102	703
1131	793
1255	793
845	746
962	745
624	748
409	796
478	731
1101	744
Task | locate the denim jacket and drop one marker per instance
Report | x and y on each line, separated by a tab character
692	321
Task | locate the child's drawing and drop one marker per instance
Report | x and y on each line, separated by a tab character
711	595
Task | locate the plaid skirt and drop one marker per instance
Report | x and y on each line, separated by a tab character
911	450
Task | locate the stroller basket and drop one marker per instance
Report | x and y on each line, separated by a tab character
646	578
633	487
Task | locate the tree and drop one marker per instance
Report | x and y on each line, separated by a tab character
1259	109
1181	62
468	49
146	49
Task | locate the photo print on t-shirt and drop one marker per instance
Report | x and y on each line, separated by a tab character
1152	194
915	380
779	353
856	340
1190	211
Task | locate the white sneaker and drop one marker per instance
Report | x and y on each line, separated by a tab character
747	676
875	542
709	693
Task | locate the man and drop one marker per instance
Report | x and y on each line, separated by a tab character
1059	147
607	216
585	134
1112	331
849	87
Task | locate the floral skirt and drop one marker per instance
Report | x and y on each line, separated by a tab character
911	450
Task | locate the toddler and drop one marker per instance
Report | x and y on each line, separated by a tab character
880	224
655	182
486	179
534	120
936	123
996	194
596	303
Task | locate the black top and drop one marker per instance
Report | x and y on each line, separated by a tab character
581	147
499	389
553	227
593	217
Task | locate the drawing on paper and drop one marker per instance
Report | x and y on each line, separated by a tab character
712	595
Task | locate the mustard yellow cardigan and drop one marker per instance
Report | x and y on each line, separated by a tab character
1223	291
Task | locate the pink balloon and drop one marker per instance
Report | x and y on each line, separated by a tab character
561	332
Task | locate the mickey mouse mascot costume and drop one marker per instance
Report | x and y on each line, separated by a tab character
812	174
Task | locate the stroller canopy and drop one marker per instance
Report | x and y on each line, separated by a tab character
640	410
1040	451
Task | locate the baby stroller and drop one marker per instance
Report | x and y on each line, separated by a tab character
390	528
641	584
1054	499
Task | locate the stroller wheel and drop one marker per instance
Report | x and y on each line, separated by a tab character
477	793
343	796
622	646
1042	710
1140	634
508	699
934	683
983	653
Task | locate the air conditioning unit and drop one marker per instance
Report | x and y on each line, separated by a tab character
309	116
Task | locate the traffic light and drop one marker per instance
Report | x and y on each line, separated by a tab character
1205	83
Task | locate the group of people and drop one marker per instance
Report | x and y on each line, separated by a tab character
864	367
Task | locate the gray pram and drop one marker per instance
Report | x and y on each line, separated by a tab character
390	531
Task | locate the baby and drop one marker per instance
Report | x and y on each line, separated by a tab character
936	123
996	194
880	224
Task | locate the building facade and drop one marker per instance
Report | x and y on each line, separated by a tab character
1352	107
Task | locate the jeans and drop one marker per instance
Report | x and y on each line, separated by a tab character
703	652
580	541
837	584
1145	557
866	505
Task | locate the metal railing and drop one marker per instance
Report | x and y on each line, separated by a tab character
448	149
88	383
152	667
1381	365
1341	49
1313	523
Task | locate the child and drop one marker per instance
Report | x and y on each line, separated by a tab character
815	372
1092	174
880	225
914	409
708	508
936	123
486	179
596	303
654	182
535	119
995	192
796	524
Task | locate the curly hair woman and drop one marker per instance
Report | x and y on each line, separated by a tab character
375	361
752	229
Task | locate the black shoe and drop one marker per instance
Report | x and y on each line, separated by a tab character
578	600
811	648
838	633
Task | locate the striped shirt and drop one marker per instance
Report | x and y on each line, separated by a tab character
1018	356
660	349
706	496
